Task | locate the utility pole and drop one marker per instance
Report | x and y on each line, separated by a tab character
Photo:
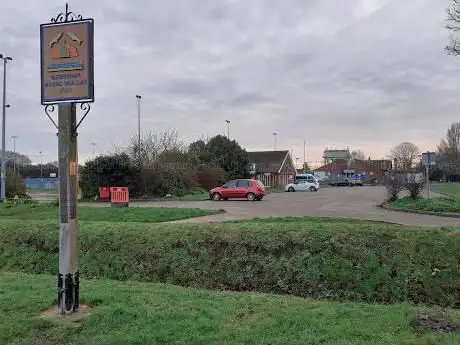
228	129
14	152
41	169
274	139
3	161
139	126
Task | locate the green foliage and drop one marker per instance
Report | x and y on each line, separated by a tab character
105	214
108	171
15	185
140	313
223	153
358	261
441	205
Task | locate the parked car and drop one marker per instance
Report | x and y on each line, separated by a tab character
341	183
239	189
302	185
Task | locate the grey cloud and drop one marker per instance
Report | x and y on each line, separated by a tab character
329	72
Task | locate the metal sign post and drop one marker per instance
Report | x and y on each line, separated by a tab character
67	78
428	159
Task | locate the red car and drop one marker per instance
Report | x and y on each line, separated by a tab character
239	189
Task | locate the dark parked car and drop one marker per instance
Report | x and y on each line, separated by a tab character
346	182
239	189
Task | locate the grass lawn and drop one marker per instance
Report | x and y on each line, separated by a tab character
441	205
452	188
141	313
104	214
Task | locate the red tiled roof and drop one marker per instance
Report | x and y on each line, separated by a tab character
338	166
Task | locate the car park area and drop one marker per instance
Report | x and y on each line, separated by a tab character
357	203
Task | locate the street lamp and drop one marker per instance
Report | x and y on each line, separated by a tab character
274	138
41	169
139	125
228	129
3	160
14	137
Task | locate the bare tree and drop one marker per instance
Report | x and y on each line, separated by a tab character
405	155
453	24
358	154
153	146
449	148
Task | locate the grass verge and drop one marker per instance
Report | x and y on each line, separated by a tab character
437	205
138	313
104	214
451	188
358	261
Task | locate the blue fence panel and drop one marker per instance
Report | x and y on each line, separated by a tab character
41	183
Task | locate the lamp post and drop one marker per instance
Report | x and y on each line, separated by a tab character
274	139
41	169
3	161
228	129
14	137
139	125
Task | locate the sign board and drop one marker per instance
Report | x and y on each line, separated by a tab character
428	158
67	63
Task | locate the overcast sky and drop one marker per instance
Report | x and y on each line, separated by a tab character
363	73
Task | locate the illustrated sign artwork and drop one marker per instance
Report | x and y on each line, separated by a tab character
67	63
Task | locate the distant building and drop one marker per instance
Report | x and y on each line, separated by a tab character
272	168
345	168
330	156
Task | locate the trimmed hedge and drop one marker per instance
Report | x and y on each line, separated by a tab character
369	262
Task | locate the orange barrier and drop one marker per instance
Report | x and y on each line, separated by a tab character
119	196
104	193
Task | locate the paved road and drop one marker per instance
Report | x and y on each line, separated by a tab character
339	202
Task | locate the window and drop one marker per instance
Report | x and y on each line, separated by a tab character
231	184
260	184
244	184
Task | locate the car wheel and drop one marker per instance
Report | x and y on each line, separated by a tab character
313	189
216	197
291	189
250	197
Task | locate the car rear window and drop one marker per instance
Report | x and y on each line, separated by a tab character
260	184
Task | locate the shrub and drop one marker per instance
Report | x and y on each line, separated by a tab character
414	188
334	260
108	171
15	186
210	177
394	185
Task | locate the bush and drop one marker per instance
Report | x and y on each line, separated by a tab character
369	262
163	181
210	177
394	185
108	171
414	188
15	186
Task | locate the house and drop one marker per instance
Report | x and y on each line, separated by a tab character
345	168
272	168
330	156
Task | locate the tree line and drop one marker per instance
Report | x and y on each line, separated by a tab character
406	156
163	164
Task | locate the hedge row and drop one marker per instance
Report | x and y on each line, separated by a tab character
345	261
